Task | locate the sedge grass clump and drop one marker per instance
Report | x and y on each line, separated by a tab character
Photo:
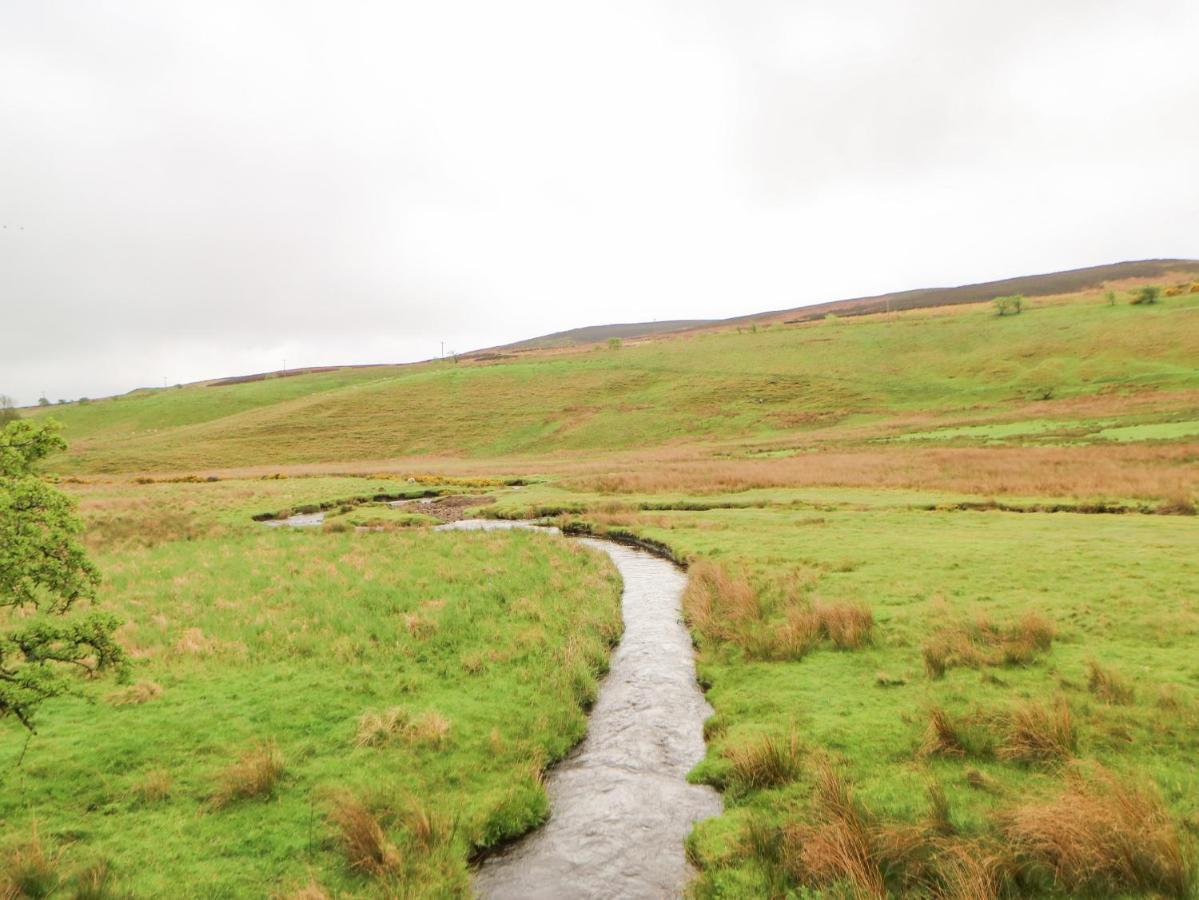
1103	836
838	847
363	840
847	625
255	774
1037	733
718	605
378	728
941	737
134	694
980	642
154	786
1108	685
30	869
767	761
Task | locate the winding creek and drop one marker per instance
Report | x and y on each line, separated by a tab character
620	804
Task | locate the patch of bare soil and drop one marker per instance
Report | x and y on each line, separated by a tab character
449	508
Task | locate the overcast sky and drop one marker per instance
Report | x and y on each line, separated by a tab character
196	189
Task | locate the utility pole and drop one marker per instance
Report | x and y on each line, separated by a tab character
443	349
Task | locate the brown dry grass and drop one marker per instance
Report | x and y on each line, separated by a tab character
154	787
310	891
1108	685
839	846
142	692
1139	471
980	643
941	737
724	607
30	868
255	774
1103	836
376	728
766	761
1038	733
363	840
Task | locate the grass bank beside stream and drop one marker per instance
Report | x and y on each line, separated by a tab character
358	712
1002	703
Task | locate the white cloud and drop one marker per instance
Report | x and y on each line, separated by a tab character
195	190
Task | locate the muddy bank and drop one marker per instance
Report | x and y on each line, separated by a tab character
620	804
447	507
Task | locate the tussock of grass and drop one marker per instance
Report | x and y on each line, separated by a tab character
941	738
1108	685
375	729
1038	733
981	781
366	845
764	762
142	692
30	869
310	891
725	608
1101	835
982	643
839	846
255	774
154	787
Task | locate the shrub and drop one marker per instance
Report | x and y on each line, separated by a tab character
1036	733
1110	296
765	762
1102	836
255	774
1010	305
1108	685
614	343
1147	295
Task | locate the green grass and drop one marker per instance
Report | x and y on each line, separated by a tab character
1120	589
290	637
724	385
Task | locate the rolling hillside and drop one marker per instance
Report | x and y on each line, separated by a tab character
1073	365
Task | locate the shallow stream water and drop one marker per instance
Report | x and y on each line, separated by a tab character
620	805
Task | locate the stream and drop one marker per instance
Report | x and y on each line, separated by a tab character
620	805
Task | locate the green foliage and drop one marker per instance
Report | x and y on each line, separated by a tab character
1110	297
44	572
8	411
614	343
1147	295
43	401
1010	305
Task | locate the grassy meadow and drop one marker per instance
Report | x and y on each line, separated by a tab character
942	588
337	711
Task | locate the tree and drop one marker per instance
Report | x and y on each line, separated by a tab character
42	401
1012	304
44	574
1151	293
8	411
1110	296
614	343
